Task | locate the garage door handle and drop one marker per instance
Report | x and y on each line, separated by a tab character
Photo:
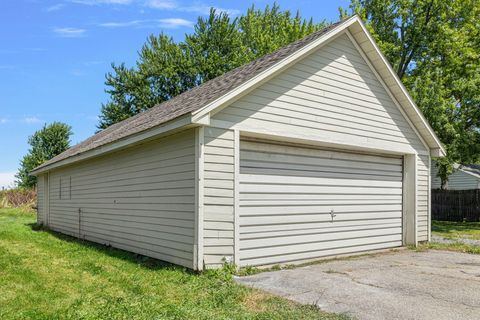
332	214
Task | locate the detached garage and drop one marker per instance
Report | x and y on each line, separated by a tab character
314	150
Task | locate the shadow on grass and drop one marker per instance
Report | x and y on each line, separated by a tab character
455	227
141	260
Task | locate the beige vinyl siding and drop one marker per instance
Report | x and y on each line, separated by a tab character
41	188
332	93
423	205
218	195
287	195
140	199
458	180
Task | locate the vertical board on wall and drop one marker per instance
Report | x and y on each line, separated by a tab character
199	197
219	188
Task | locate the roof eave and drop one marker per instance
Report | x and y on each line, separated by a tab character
180	123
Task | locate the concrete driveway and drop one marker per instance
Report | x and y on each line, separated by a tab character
394	285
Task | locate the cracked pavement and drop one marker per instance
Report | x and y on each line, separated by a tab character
394	285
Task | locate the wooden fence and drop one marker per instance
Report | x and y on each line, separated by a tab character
456	205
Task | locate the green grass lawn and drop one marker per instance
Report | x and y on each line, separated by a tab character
44	275
456	230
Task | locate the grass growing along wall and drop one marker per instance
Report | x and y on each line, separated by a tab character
46	275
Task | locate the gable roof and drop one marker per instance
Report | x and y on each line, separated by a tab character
203	97
472	169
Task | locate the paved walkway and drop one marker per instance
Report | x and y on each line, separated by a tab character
398	285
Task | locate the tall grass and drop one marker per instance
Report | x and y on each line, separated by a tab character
24	199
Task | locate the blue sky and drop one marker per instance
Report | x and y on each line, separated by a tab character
54	56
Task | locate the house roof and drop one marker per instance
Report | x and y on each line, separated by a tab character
472	169
198	98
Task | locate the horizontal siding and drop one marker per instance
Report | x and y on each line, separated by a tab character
460	180
218	195
41	188
140	199
332	93
287	194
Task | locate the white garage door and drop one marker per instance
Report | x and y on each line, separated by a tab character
303	203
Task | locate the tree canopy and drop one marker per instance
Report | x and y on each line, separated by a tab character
45	144
166	68
434	46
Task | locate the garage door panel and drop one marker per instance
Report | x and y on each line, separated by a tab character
291	240
319	246
300	182
302	256
325	173
315	217
272	148
312	231
323	209
312	164
300	196
287	195
252	231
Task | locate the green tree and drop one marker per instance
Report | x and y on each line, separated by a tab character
166	68
434	46
45	144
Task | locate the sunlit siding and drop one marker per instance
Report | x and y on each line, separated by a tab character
219	198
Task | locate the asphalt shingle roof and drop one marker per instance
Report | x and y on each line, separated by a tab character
188	101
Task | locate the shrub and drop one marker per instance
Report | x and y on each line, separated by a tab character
18	198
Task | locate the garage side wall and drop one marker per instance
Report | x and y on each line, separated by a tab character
218	196
140	199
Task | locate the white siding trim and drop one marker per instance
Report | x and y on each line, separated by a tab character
236	210
199	197
429	201
410	199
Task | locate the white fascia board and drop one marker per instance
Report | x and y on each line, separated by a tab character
176	124
441	151
270	72
470	173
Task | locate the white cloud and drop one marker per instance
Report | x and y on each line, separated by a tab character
31	120
55	7
174	23
132	23
161	4
69	32
7	179
3	120
99	2
170	23
205	9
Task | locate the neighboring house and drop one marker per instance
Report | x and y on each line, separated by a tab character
464	177
314	150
